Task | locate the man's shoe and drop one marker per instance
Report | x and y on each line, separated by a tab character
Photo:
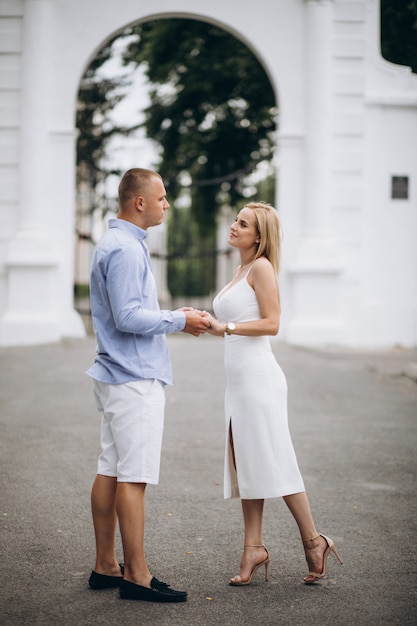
159	592
102	581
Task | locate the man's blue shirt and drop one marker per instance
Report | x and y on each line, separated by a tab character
129	325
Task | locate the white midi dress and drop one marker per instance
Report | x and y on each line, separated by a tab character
255	407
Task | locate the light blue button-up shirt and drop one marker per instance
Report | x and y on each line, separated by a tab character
129	325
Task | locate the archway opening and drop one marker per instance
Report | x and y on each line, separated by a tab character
189	99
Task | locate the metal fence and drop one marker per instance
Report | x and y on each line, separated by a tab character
223	262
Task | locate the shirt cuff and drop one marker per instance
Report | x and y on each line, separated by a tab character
179	320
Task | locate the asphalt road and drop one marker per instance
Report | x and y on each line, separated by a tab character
353	417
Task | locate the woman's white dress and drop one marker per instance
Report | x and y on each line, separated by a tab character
255	407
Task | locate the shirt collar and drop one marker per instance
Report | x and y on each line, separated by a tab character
128	227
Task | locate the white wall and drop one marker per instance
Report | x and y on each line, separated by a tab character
389	236
349	270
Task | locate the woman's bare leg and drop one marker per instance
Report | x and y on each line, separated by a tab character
314	544
253	552
252	517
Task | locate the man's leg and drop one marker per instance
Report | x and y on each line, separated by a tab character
103	496
130	506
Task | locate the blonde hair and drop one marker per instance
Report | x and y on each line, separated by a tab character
134	182
269	230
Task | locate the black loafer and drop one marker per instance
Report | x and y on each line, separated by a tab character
159	592
102	581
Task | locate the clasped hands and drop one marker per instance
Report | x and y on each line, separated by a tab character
199	322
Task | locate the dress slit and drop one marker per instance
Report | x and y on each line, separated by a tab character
232	462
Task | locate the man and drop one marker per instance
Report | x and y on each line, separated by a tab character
131	368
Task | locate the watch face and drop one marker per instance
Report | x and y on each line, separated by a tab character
232	326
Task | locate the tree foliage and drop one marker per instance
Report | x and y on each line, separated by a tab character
97	97
212	110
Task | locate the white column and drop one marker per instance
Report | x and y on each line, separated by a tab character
228	259
315	268
33	308
157	245
317	114
318	249
35	103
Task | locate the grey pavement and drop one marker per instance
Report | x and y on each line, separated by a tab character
353	417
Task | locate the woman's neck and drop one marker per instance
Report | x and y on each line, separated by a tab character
246	260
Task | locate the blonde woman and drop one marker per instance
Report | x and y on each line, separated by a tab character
260	461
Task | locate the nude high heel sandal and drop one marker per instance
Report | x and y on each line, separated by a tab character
240	582
330	548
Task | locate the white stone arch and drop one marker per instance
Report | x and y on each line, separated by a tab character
156	237
347	125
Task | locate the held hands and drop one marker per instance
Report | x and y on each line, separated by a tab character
196	322
199	322
216	328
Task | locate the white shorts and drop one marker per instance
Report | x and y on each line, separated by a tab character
132	424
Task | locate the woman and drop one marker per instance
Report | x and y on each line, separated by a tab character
260	461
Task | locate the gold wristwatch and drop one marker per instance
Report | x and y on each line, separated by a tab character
230	328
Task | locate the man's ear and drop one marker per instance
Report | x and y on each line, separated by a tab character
139	203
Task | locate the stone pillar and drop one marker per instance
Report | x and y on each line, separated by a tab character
34	308
318	119
315	269
227	257
157	245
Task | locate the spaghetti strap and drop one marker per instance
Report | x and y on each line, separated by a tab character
232	284
247	273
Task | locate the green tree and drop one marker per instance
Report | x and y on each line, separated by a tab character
192	259
212	110
97	97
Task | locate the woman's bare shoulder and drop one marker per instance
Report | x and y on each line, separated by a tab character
262	272
262	264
